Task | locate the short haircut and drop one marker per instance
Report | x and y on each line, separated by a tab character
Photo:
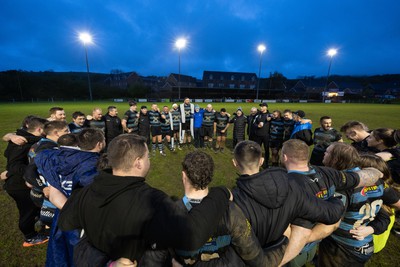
97	109
77	114
88	138
247	154
287	111
223	109
53	110
51	126
324	118
27	120
124	149
68	140
199	168
353	125
343	156
34	123
277	111
386	135
296	149
111	108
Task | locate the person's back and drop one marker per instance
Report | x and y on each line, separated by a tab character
65	170
233	232
122	215
322	182
271	201
364	210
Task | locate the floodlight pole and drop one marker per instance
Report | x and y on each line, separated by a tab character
88	74
180	43
179	73
331	53
261	49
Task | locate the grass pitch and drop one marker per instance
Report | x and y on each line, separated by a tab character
165	172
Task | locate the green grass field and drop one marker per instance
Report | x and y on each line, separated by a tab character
165	172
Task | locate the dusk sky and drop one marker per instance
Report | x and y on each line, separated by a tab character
222	35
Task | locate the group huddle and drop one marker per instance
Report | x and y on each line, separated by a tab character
81	187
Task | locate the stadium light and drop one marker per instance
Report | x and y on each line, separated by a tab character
180	44
86	39
331	53
261	48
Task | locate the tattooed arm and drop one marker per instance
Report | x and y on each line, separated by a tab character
369	176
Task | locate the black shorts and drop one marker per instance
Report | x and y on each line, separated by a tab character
208	131
155	130
186	126
221	134
164	133
275	144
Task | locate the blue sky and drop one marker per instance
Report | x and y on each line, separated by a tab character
222	36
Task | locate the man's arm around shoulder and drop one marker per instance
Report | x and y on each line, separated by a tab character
246	244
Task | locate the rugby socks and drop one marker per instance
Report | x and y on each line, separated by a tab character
160	147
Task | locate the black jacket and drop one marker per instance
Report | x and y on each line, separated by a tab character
244	243
264	130
123	216
17	161
113	127
144	124
271	202
239	125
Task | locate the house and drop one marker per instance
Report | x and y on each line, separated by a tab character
389	90
229	80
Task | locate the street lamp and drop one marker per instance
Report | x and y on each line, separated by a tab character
87	39
180	43
261	48
331	52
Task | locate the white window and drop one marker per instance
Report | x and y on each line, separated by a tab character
242	86
231	85
232	77
221	85
211	77
252	86
210	85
